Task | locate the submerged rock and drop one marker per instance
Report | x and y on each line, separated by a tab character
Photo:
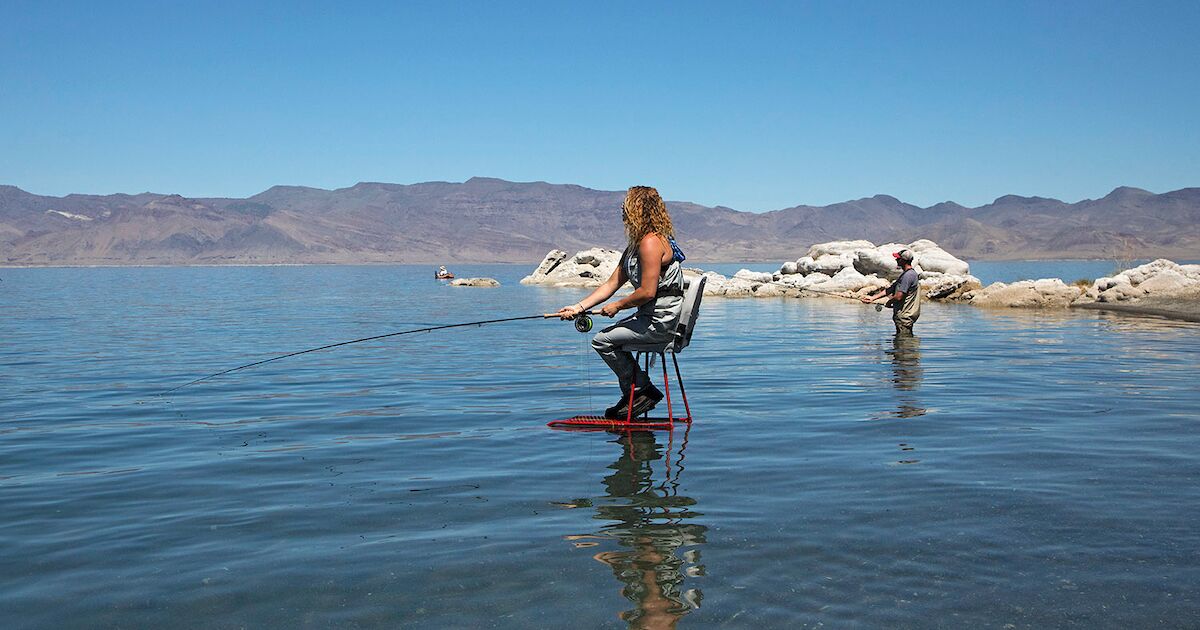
474	282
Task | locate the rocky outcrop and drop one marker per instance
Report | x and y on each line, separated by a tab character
552	260
1045	293
475	282
854	269
1162	278
588	268
870	259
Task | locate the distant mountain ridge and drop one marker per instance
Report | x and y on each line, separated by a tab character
493	220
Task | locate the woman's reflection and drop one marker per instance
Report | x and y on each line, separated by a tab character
650	521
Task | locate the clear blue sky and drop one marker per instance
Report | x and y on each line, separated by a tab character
756	106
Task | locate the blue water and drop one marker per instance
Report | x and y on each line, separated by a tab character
1003	469
1067	270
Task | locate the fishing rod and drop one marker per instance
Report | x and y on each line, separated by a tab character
878	306
583	323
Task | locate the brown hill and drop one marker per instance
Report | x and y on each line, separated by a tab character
492	220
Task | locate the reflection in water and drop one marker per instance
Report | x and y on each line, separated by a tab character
906	375
650	521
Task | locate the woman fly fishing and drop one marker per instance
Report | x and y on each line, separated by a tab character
651	264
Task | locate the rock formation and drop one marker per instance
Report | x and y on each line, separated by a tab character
1158	278
1044	293
588	268
475	282
857	268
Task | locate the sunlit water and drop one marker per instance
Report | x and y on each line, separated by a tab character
1002	469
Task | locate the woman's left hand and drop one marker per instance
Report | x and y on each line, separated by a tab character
610	310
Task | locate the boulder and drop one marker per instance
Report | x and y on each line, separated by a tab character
837	248
588	268
754	276
789	268
948	287
1119	293
1167	282
1142	273
1045	293
931	258
771	289
552	260
879	261
739	288
848	280
1159	278
714	285
827	264
474	282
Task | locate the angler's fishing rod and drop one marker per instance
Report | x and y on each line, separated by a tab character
878	306
583	323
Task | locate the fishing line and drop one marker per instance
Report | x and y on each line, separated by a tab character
583	323
878	306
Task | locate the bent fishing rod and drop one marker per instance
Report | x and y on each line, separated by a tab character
583	323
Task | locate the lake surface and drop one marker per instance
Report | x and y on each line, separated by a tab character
1001	469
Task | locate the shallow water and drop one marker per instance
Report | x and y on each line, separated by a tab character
1003	467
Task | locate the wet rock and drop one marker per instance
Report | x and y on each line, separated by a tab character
474	282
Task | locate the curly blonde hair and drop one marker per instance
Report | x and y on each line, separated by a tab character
645	213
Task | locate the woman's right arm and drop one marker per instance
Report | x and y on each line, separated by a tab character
602	292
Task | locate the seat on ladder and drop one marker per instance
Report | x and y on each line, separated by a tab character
681	337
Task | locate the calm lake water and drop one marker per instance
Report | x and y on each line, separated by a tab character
1002	469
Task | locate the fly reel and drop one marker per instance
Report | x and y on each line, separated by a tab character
583	323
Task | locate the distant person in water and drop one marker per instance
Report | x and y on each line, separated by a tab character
651	264
904	296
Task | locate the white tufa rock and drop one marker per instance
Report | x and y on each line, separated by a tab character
474	282
588	268
1159	278
753	276
1044	293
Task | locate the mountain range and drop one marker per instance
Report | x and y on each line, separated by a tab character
492	220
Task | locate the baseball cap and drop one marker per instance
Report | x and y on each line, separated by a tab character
904	255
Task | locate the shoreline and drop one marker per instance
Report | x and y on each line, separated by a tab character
1182	313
